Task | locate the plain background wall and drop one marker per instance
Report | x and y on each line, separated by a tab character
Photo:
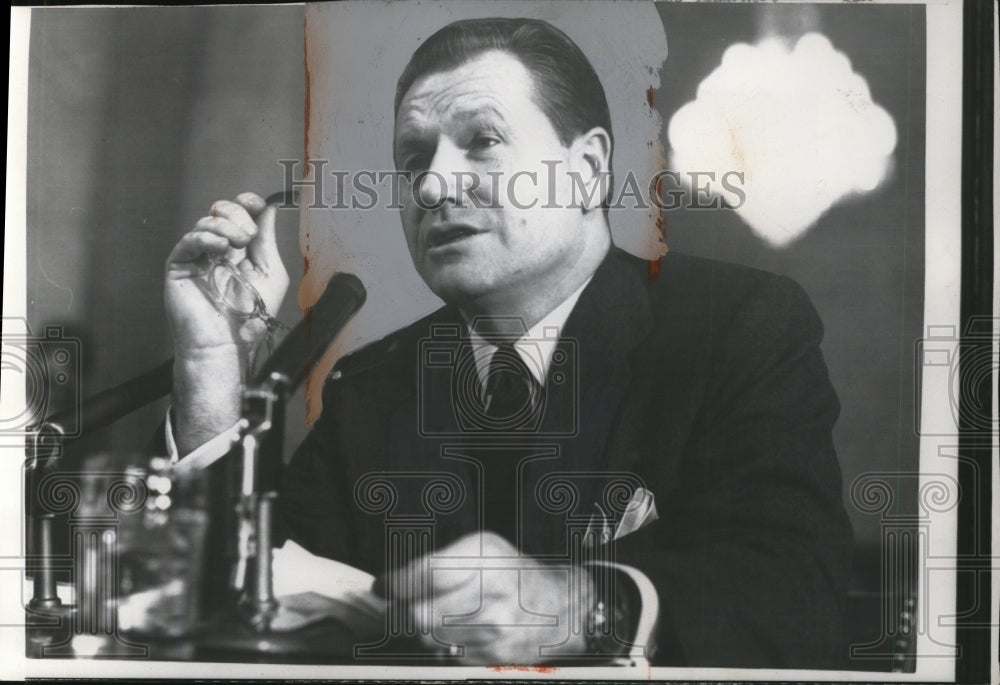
140	118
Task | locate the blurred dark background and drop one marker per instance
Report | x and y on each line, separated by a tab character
140	118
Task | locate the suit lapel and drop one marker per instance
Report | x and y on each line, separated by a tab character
422	401
609	321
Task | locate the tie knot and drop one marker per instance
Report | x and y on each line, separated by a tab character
506	365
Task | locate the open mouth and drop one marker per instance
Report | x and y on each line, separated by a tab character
442	237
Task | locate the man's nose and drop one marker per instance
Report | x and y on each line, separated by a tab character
443	180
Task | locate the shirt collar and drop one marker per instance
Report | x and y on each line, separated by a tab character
535	347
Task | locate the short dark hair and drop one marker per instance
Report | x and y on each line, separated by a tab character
567	87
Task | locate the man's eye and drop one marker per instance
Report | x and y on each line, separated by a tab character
484	141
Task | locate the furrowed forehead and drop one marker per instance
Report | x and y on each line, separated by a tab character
492	85
487	78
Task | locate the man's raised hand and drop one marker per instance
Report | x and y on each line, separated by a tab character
242	231
212	348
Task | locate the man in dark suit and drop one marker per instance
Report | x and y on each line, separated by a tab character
479	458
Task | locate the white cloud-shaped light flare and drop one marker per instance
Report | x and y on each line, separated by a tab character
799	123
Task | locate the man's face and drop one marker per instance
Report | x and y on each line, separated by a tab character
476	226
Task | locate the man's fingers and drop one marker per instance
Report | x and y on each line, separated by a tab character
458	619
423	618
236	255
419	580
252	202
483	544
193	245
228	230
408	583
236	213
448	568
450	581
237	236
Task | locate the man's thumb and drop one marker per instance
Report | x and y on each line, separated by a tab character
264	248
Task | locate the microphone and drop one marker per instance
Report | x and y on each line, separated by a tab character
302	348
295	356
109	405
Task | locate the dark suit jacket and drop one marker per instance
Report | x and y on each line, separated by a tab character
705	385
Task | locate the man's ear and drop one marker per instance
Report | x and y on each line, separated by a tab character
591	158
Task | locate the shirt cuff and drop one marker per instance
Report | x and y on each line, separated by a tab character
207	453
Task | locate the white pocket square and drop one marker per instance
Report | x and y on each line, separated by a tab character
639	512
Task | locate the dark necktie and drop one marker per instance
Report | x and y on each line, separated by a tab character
512	393
513	404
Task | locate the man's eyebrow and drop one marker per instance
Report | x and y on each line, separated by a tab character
487	109
408	139
408	142
408	134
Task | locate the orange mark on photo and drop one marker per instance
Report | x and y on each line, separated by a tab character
524	669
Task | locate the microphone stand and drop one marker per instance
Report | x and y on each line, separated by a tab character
264	410
243	630
44	447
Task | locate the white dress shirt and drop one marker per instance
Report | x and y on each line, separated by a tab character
535	347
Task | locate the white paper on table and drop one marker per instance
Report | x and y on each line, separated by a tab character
299	576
